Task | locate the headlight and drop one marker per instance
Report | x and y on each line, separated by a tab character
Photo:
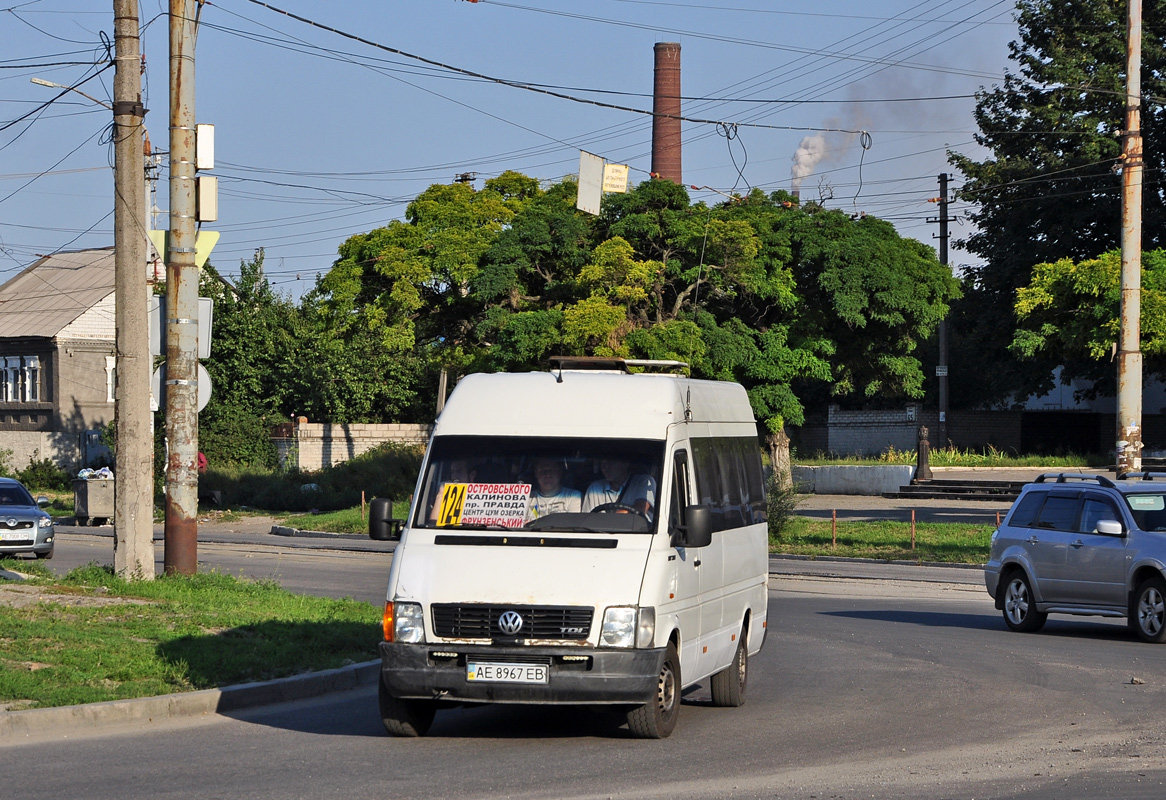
627	626
46	522
408	623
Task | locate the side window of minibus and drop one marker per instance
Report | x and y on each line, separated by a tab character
676	518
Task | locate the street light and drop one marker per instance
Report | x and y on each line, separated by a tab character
43	82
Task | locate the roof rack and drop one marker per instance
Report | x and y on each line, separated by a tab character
1065	477
612	364
1141	476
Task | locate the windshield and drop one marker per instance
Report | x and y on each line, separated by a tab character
536	483
1149	511
15	495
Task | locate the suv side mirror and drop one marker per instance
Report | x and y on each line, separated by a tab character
381	525
1110	526
699	530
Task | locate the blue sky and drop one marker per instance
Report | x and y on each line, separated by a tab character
319	136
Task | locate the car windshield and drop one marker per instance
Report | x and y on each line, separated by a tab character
15	495
1149	510
540	484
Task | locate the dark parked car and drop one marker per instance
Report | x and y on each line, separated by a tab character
25	527
1083	544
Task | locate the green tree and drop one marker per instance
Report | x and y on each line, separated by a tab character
1049	190
1070	312
253	340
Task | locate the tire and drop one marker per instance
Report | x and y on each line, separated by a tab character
1020	612
1148	617
403	717
728	685
45	556
657	719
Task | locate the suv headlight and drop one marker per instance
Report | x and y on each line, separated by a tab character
628	626
408	623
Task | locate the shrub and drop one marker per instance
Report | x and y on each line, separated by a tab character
44	474
782	503
389	470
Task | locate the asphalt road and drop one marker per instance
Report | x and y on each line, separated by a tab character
865	688
876	681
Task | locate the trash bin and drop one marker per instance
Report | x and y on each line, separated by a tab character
93	501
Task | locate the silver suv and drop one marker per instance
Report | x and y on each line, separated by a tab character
1083	544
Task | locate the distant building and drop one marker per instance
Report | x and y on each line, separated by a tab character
57	358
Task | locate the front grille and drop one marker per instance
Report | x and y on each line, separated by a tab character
479	621
16	542
20	524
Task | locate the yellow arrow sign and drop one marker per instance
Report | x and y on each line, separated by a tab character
202	246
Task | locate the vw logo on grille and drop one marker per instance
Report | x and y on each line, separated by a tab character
11	522
510	622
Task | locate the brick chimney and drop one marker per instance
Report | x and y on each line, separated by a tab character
666	100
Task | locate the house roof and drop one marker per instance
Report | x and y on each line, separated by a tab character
54	291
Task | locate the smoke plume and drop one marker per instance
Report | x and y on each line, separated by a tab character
809	153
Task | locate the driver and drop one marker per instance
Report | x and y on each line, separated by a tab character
620	487
549	495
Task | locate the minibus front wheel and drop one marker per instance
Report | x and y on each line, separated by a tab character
657	719
404	717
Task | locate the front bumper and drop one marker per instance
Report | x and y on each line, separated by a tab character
39	541
438	671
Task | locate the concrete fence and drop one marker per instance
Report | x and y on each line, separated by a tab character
312	446
852	479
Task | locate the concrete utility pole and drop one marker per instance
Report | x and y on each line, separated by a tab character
133	541
1129	355
181	551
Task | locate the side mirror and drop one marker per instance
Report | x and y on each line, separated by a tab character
1109	526
381	525
42	501
699	530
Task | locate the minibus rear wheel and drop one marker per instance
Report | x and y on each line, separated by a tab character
402	717
728	685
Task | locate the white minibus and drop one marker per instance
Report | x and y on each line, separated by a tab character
583	535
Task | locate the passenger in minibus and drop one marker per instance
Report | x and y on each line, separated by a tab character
549	496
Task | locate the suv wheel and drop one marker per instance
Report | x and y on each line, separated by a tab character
1020	612
1149	611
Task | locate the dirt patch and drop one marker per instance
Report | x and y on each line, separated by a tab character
22	594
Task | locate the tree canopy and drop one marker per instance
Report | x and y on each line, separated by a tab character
1072	309
759	290
1050	188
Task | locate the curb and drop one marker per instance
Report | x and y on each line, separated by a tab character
17	726
850	560
284	530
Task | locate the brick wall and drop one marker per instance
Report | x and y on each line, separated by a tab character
314	445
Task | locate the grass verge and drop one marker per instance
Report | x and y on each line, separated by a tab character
91	637
888	541
345	520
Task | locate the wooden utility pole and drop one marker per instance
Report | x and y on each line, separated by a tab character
181	551
1129	356
133	541
941	366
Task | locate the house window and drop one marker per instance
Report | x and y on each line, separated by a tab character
20	379
110	378
8	392
32	379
